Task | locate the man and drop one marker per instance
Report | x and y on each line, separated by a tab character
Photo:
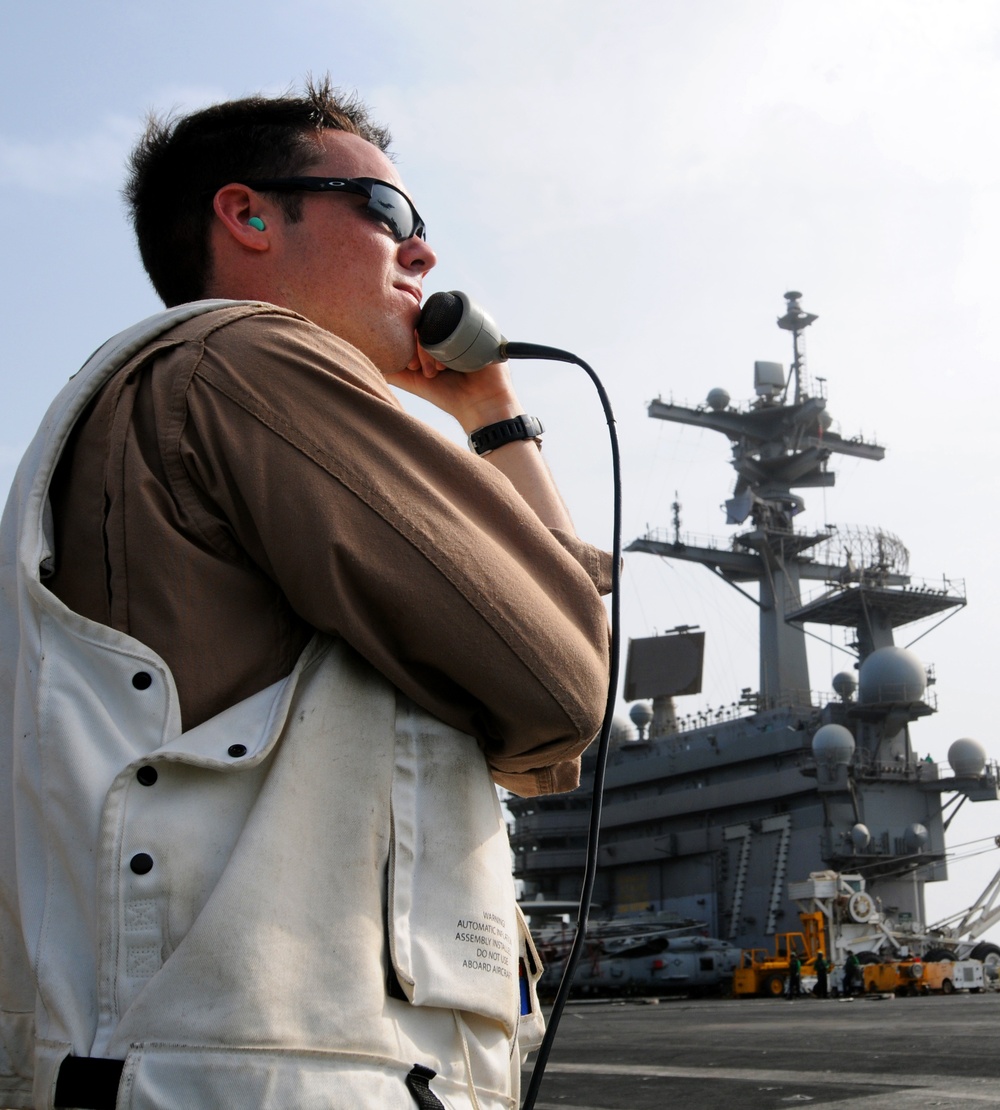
852	974
269	641
822	967
794	977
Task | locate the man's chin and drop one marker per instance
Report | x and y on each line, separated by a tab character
388	356
395	359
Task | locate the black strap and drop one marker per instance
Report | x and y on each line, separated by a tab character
417	1083
88	1083
91	1083
487	439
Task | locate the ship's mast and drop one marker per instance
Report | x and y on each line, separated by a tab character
778	446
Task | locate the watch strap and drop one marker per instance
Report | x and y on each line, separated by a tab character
492	436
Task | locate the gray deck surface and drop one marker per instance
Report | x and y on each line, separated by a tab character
759	1054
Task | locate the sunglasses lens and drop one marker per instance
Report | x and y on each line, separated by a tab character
397	212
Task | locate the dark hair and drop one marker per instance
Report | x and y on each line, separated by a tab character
179	164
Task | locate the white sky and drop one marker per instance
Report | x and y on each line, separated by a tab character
639	182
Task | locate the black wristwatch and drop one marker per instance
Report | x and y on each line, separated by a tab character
485	440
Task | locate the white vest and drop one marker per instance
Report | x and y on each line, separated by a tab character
226	924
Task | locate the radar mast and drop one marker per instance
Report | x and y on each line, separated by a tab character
778	446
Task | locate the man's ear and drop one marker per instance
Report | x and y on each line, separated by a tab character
235	206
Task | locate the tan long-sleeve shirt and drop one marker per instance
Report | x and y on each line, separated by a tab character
250	478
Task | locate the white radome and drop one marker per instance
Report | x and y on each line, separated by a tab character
967	758
892	674
833	744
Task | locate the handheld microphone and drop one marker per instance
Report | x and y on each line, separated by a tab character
457	332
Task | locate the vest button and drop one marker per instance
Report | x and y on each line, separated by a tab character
142	680
147	775
236	750
141	863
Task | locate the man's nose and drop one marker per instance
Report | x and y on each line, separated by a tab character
415	254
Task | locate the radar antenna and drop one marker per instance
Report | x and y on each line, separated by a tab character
796	320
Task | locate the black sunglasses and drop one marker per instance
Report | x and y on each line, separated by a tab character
393	207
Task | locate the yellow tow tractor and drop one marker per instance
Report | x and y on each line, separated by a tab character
762	972
894	976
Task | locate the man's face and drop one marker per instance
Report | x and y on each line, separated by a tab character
340	266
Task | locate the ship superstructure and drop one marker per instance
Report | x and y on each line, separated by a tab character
711	818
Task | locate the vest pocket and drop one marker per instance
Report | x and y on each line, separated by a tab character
531	1024
454	936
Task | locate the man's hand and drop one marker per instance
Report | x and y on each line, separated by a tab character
474	400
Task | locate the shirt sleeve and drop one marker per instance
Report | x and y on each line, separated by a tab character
419	554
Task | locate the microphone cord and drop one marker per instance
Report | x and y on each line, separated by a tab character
554	354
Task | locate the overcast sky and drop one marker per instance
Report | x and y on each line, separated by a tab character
640	183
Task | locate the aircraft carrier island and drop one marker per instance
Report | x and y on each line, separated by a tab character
730	824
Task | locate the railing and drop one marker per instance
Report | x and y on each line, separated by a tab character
945	587
753	704
710	717
861	569
688	539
